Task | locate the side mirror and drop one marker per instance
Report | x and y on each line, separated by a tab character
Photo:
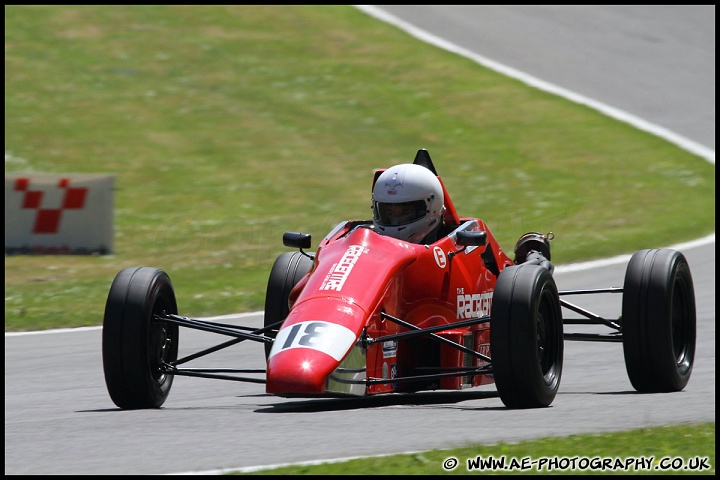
297	240
471	239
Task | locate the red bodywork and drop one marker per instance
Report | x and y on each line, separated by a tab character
358	275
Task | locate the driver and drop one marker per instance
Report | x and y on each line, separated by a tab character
408	203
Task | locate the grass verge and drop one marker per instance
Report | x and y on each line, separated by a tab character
679	449
227	125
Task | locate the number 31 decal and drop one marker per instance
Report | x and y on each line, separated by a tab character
330	338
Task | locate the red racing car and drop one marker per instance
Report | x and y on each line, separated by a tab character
372	312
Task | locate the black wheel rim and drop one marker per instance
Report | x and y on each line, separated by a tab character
160	345
681	325
546	343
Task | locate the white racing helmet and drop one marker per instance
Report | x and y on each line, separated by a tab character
407	202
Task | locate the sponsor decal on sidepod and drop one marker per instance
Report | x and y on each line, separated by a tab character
474	305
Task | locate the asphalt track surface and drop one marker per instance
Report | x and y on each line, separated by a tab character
653	63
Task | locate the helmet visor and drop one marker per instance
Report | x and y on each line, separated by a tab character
395	214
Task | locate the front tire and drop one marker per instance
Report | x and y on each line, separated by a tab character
134	344
526	337
286	272
658	321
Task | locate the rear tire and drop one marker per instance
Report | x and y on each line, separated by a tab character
134	345
526	337
286	272
658	321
